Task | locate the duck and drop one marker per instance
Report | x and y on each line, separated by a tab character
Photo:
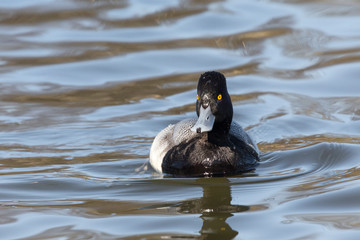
211	145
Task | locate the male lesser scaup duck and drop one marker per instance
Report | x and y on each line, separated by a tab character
211	145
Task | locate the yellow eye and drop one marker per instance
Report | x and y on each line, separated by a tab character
197	97
219	97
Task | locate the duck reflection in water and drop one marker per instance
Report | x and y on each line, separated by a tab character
215	208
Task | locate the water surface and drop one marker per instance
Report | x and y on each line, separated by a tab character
85	86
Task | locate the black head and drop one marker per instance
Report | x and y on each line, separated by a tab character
212	92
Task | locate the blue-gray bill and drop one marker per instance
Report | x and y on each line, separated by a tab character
205	121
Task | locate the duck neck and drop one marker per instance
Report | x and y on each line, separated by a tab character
220	133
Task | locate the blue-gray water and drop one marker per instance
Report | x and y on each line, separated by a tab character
85	86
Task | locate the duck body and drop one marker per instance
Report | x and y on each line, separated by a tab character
212	145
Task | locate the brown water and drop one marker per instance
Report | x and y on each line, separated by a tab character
85	86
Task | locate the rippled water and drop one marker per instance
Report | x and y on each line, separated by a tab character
85	86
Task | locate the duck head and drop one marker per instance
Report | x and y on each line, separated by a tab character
213	105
